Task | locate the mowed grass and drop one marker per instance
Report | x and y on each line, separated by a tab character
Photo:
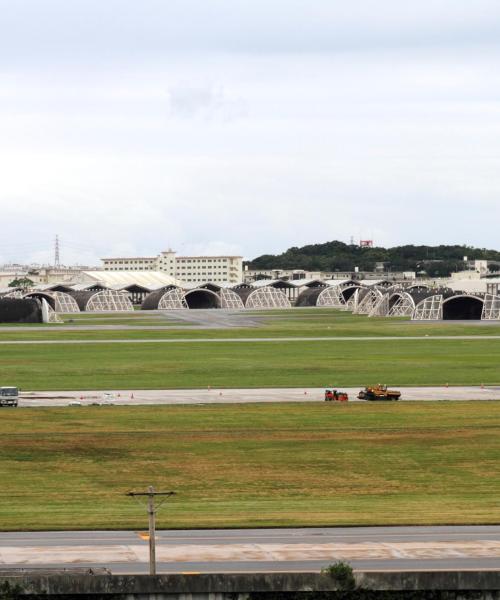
252	465
276	324
250	364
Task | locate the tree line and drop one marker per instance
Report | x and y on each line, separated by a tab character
434	261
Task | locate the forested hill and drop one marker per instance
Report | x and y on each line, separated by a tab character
436	261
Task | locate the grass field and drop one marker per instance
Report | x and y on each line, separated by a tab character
252	465
227	363
250	364
278	323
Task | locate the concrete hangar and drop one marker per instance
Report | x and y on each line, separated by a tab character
374	299
114	292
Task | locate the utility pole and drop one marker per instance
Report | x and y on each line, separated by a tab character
57	259
152	525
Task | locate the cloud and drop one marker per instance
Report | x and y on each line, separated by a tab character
80	31
208	102
249	127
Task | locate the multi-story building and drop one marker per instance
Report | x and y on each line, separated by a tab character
39	274
251	275
187	269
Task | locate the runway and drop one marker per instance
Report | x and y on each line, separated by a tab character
210	551
238	396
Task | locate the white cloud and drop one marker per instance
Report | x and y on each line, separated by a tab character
249	146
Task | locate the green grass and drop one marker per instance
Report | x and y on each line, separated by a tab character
250	364
252	465
402	361
278	324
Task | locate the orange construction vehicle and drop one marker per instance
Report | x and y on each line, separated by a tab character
379	392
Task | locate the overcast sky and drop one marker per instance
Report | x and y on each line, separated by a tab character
246	127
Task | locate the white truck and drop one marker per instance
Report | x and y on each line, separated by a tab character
9	396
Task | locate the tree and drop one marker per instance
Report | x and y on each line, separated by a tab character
22	282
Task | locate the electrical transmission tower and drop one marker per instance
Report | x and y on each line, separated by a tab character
152	525
57	259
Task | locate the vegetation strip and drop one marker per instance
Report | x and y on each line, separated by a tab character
250	365
252	465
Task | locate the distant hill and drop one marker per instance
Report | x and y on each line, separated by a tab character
436	261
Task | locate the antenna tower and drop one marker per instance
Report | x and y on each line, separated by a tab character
57	260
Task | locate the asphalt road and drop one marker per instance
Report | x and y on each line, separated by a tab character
237	396
209	551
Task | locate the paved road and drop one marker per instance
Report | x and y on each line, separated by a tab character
469	547
237	396
275	340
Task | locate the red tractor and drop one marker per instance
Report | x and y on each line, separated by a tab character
335	395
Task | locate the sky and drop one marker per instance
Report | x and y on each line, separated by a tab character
246	127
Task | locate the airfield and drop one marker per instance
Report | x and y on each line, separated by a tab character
227	409
293	348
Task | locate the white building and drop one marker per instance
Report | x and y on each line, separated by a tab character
251	275
187	269
39	274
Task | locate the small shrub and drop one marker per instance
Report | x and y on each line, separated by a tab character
341	573
9	592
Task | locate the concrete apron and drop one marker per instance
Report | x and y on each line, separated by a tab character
73	555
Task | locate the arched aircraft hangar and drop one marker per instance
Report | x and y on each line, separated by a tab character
419	302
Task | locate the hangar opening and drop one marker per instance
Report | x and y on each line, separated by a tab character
20	310
348	292
462	308
309	296
202	299
41	296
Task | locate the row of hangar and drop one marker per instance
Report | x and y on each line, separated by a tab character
422	303
418	302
